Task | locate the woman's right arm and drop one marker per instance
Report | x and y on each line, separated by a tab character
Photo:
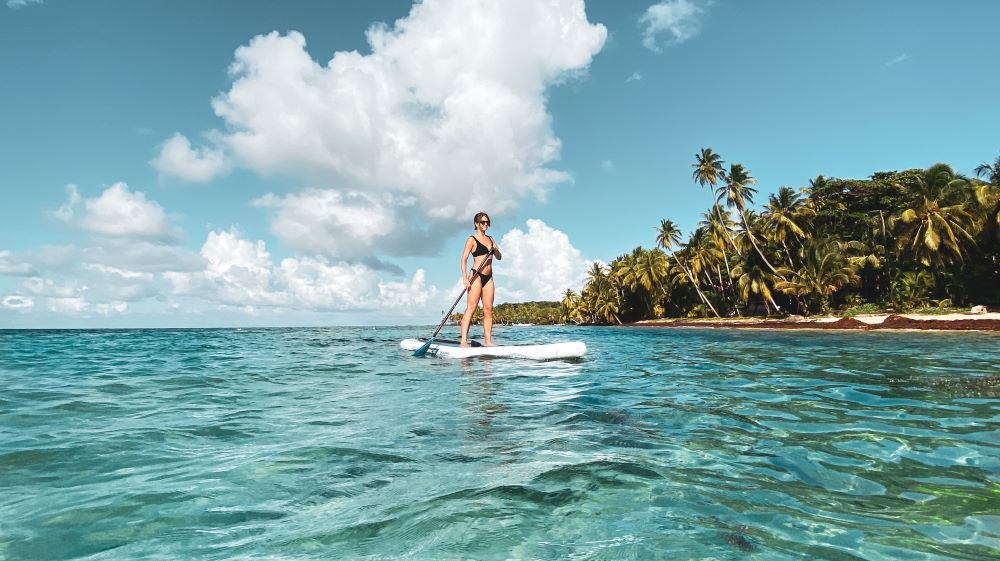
469	246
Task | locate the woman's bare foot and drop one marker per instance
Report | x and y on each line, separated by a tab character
463	343
490	344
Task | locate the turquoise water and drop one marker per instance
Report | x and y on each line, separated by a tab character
661	444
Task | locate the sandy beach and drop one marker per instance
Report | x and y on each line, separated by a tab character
866	322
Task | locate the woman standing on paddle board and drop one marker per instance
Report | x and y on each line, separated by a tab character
481	285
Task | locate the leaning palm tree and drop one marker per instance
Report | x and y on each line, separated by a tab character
823	270
667	236
703	256
738	192
718	227
708	170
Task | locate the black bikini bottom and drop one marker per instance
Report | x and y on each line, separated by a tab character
483	277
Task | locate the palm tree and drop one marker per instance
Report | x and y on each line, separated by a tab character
606	304
570	310
623	267
935	234
708	170
824	270
652	270
703	255
667	235
601	294
738	192
596	274
937	228
910	289
988	198
752	277
782	219
990	172
718	227
631	272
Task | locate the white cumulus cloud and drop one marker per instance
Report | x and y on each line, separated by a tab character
539	264
444	117
68	306
10	266
240	273
111	308
350	225
18	302
680	20
178	159
118	213
16	4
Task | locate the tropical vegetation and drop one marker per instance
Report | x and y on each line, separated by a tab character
897	240
520	313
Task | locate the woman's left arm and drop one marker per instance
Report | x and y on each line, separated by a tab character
496	249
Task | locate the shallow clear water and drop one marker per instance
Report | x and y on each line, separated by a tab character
660	444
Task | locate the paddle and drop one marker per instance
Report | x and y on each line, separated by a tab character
423	348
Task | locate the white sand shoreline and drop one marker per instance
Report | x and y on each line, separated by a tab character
873	319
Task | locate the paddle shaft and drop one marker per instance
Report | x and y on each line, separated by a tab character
445	318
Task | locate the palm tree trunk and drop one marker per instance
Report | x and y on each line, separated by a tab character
755	246
777	308
788	254
729	275
695	284
725	230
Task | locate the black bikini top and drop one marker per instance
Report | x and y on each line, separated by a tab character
480	248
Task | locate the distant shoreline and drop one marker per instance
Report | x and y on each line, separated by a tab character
867	322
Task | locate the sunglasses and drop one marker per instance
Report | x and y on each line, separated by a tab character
487	222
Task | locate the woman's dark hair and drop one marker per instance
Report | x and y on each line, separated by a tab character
475	219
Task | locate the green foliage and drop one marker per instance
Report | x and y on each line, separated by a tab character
538	313
868	308
918	239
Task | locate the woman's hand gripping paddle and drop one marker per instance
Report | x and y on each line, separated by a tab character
423	348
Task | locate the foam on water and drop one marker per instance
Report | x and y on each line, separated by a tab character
660	444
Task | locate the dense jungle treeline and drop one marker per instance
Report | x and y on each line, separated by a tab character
899	240
538	313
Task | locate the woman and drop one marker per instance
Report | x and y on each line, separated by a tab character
481	286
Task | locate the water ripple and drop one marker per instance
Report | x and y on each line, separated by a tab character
330	443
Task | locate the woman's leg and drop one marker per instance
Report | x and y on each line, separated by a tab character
488	291
471	303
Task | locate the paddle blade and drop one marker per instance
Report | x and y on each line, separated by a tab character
423	348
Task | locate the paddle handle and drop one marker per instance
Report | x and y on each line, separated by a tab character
457	300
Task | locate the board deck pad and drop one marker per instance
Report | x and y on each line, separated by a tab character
450	349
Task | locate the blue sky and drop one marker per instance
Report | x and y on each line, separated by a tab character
318	163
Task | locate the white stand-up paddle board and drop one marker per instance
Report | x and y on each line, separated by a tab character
451	349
